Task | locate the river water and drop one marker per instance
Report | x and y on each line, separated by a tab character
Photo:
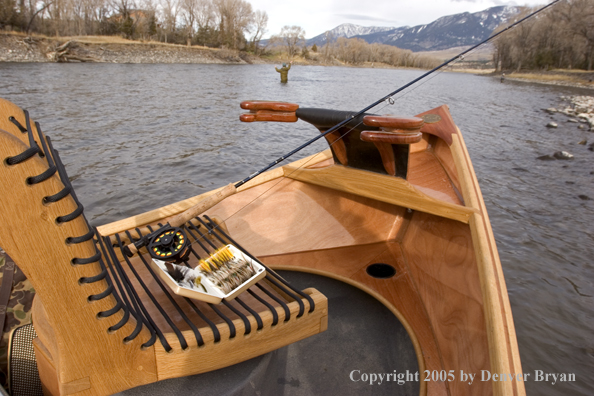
136	137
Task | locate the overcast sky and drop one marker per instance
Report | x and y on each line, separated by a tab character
318	16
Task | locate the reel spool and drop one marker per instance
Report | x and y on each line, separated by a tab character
169	245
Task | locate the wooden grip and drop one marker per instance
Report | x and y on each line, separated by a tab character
394	130
389	123
393	139
261	110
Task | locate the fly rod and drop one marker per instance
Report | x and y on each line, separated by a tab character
169	242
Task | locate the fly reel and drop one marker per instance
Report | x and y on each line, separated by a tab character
171	244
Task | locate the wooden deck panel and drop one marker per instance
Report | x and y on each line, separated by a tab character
276	221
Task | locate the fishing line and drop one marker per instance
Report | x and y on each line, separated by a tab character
389	99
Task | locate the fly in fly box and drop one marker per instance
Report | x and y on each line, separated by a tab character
224	275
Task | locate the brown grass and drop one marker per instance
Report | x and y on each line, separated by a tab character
120	40
481	54
98	40
576	78
544	77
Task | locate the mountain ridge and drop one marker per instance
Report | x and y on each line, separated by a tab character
446	32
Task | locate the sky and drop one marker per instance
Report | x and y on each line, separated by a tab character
318	16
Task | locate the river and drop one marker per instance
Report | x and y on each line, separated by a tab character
136	137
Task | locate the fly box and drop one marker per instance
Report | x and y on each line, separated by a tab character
224	275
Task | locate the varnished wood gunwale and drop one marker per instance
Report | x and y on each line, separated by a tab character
503	347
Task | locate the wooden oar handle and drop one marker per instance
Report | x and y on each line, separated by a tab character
393	134
391	137
394	130
392	123
189	214
261	110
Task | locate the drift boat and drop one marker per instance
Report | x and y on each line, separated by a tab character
392	210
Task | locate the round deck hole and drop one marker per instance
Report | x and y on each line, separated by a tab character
381	270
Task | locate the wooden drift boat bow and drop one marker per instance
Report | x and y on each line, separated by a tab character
392	208
432	228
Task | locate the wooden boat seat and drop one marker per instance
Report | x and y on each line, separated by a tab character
105	323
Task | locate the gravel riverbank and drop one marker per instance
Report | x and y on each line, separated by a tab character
578	108
19	48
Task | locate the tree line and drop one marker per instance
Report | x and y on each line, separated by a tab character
351	51
561	37
357	51
215	23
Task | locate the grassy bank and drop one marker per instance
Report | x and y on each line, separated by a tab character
574	78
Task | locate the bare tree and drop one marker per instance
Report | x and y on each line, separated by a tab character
293	37
235	18
8	14
205	16
56	11
582	19
40	10
169	13
260	23
357	51
244	23
328	47
559	38
189	9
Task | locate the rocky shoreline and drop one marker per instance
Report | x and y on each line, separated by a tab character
17	48
580	109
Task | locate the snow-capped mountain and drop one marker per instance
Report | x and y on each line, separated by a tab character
349	30
446	32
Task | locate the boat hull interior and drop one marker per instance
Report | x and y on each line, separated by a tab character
367	272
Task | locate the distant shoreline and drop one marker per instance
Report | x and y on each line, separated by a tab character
567	78
15	47
20	48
